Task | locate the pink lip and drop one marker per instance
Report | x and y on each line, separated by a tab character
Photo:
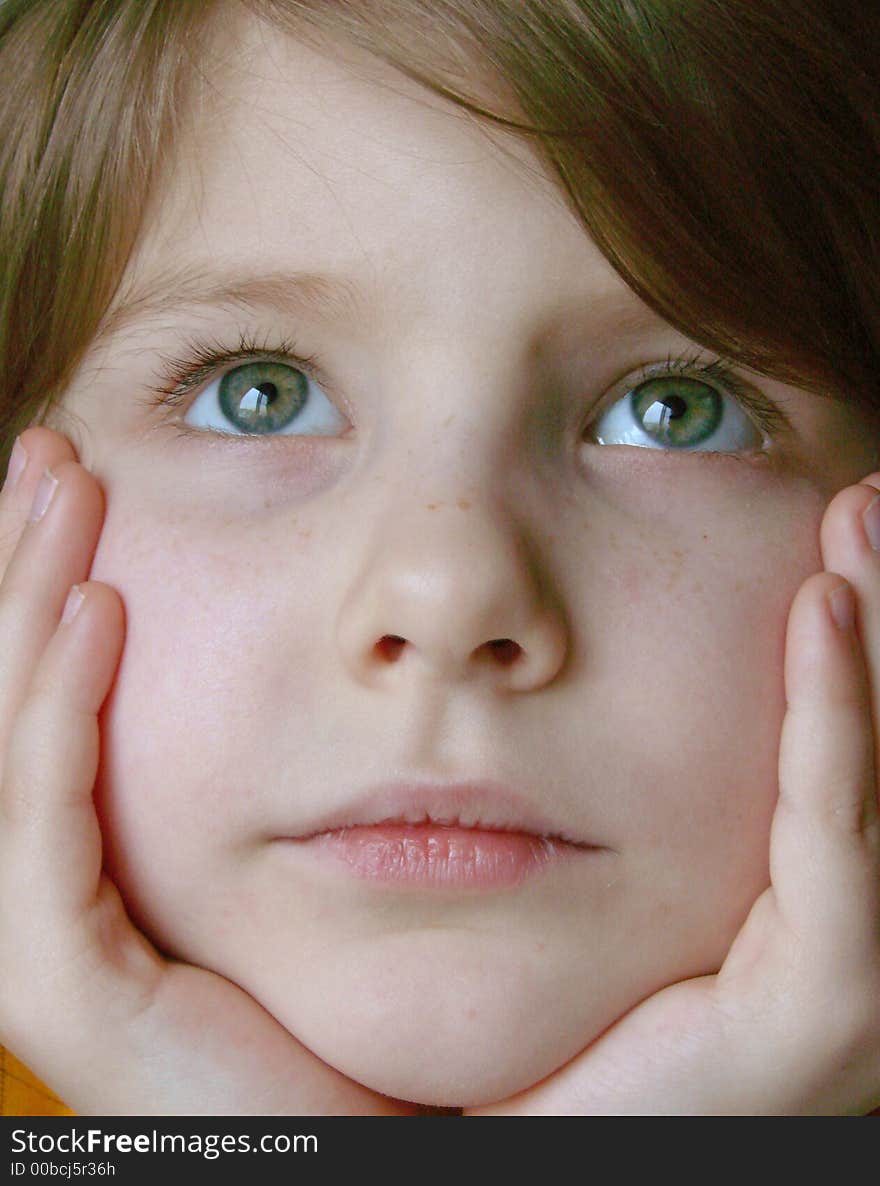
477	836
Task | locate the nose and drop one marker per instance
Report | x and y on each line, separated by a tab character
453	592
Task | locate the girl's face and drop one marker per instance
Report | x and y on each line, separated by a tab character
320	609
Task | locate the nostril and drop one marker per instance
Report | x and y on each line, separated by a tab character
389	647
505	650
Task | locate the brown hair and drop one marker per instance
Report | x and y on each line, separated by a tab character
723	154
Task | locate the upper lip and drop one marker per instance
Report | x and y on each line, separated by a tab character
481	804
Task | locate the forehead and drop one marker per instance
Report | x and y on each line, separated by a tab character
330	162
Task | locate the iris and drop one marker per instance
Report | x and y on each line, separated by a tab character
262	397
677	410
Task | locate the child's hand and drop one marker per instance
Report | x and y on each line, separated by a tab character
791	1023
85	1000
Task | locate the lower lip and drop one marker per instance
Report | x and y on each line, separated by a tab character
434	855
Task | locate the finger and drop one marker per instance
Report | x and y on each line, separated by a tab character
34	451
872	480
65	937
50	841
53	554
850	543
824	862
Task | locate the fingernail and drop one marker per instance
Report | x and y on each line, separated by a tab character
842	606
43	496
871	519
17	464
71	607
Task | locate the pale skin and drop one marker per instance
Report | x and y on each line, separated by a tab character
220	680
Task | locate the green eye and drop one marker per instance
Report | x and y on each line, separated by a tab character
677	410
262	397
679	413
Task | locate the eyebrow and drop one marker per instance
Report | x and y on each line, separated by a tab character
300	294
193	287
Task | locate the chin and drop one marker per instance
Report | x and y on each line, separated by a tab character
436	1018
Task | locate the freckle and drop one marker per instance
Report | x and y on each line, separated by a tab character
463	504
471	1013
432	506
630	583
447	421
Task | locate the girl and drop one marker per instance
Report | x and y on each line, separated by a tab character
440	582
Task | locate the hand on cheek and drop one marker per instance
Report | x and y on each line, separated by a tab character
85	1000
791	1023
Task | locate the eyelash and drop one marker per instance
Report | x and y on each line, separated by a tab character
179	376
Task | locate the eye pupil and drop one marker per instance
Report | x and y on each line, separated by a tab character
676	405
260	396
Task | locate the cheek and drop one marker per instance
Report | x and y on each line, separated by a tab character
198	686
698	577
700	604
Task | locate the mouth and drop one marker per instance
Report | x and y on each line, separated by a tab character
473	836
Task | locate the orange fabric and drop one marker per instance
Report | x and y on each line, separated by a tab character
22	1093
